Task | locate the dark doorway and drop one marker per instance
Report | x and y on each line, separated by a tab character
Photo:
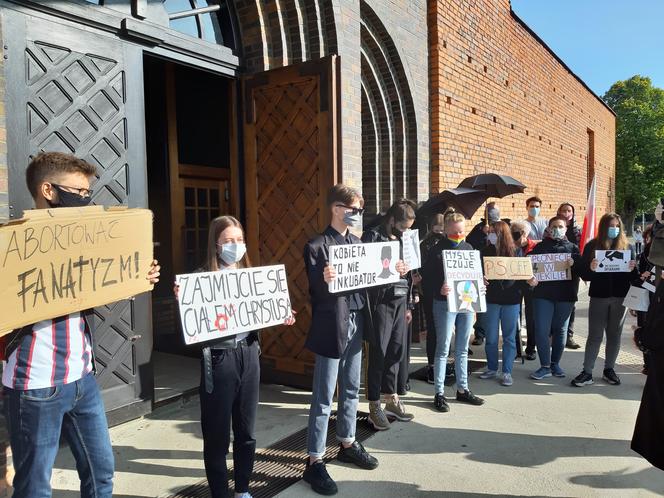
190	163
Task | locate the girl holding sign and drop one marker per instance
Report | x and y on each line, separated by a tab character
503	306
446	323
606	313
230	376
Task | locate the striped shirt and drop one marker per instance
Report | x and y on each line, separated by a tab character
57	352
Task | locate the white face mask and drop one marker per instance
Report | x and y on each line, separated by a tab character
231	252
492	238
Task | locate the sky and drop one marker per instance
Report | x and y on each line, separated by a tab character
602	41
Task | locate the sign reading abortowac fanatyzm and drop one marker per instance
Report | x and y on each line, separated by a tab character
218	304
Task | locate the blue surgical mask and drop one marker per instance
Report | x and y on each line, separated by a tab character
613	232
232	252
534	212
352	220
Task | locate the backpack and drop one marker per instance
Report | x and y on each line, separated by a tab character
656	255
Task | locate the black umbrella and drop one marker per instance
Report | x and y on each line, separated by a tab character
494	185
464	200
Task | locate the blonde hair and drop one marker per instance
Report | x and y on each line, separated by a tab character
218	225
451	216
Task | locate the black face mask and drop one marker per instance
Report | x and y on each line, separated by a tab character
516	236
69	199
396	232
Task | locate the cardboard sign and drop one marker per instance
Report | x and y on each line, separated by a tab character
463	274
59	261
551	267
364	265
218	304
507	268
637	299
613	261
411	249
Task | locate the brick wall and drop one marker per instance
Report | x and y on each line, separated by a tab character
502	102
4	208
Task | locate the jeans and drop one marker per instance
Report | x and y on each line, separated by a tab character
328	372
35	420
604	315
506	317
551	320
446	324
233	401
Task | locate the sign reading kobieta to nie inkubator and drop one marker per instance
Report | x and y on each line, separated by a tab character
363	265
465	278
217	304
58	261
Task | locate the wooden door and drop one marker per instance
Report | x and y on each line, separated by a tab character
291	160
78	91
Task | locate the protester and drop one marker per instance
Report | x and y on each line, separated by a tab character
335	337
447	322
638	240
49	385
433	238
479	237
386	330
644	268
553	302
573	234
503	299
520	232
606	313
537	225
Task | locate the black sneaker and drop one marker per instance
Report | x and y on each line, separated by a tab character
611	377
321	482
357	455
430	376
478	341
440	403
450	370
572	344
468	397
583	379
531	355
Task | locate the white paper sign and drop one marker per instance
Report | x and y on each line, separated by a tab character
411	249
551	267
364	265
465	277
218	304
637	299
649	283
613	261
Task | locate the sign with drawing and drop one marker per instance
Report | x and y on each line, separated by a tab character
364	265
464	276
613	261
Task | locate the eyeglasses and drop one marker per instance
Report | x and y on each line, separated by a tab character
83	192
353	210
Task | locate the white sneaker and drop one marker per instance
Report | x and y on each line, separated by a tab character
488	374
507	380
243	495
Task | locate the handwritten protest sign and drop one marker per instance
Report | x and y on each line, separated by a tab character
411	249
613	261
551	267
503	268
217	304
58	261
463	274
364	265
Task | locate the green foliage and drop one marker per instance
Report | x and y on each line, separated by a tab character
639	108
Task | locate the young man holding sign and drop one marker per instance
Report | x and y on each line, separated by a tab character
335	337
48	377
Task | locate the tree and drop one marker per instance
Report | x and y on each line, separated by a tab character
639	109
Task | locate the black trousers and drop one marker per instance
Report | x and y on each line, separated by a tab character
570	327
530	323
234	400
427	304
404	364
386	347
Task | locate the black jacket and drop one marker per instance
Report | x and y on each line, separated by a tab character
603	285
559	290
477	237
503	291
433	272
328	333
573	233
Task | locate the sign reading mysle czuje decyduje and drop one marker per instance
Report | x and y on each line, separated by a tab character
464	276
59	261
363	265
217	304
410	241
613	261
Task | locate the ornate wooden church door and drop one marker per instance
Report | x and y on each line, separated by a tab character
75	91
291	155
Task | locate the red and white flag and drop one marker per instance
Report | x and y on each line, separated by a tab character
590	221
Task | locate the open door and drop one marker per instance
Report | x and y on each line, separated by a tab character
291	157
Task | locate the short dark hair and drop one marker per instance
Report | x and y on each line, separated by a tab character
45	165
343	194
533	199
556	218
